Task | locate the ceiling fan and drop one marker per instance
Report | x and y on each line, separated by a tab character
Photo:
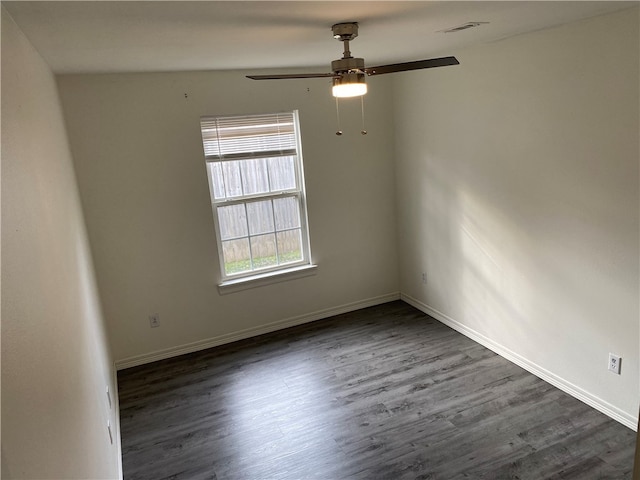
348	73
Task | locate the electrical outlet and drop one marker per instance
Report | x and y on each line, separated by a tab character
424	278
614	363
154	320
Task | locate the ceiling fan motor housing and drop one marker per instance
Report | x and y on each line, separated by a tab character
344	65
349	77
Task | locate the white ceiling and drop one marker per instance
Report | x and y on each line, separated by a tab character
142	36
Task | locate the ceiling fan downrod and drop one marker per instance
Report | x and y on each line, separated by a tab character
345	32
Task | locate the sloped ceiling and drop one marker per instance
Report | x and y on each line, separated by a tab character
143	36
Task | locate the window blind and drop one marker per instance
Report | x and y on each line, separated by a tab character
248	136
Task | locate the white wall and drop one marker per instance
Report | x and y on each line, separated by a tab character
518	196
138	154
55	359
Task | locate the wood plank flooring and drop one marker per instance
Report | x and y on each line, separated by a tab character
382	393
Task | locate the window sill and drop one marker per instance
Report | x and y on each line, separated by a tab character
231	286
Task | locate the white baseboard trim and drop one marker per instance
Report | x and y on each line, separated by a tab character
115	404
252	332
611	411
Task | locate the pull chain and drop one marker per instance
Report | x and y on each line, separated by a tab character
339	132
363	131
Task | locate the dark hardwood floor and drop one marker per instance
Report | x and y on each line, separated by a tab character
382	393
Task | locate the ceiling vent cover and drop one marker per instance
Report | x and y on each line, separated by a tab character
464	26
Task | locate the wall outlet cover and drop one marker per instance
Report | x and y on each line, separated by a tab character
154	320
614	363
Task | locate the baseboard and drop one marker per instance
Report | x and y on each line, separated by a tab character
252	332
593	401
115	402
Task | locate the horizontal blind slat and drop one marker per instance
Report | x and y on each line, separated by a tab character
251	155
253	136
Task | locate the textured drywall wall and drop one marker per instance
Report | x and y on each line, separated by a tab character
55	359
518	196
141	171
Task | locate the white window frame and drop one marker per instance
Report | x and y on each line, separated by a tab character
214	154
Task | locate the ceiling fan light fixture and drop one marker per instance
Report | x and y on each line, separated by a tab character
349	84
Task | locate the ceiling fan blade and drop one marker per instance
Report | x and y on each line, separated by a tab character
290	75
417	65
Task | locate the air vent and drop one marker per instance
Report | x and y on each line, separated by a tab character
464	26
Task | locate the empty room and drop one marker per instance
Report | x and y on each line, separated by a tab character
331	240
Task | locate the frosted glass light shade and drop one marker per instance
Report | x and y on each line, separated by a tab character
349	90
350	84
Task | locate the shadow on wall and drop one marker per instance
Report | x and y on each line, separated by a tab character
461	245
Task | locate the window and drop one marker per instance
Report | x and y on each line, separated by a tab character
254	165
